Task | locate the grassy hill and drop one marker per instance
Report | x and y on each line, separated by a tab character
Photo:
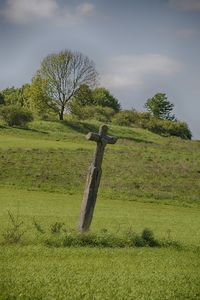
148	181
55	157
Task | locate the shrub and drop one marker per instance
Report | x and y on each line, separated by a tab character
145	239
15	116
131	117
166	127
38	227
124	118
99	113
55	228
156	125
102	240
148	237
180	129
14	233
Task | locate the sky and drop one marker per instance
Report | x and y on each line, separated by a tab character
140	47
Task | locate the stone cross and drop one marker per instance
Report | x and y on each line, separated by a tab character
94	176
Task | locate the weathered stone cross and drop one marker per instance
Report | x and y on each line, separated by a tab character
94	176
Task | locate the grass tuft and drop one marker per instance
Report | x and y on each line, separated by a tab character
105	239
15	232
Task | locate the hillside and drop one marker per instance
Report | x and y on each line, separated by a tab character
55	156
148	181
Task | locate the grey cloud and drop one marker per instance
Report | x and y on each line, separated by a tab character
185	5
130	71
23	11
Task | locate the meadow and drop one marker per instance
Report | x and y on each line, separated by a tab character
148	181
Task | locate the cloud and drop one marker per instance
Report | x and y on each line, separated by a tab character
186	33
185	5
131	71
23	11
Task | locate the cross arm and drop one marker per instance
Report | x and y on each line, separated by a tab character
91	136
107	139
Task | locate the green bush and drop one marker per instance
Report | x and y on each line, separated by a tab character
131	117
156	125
180	129
59	236
145	239
124	118
167	128
148	237
99	113
101	240
15	116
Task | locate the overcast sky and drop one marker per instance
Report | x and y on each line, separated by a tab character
140	47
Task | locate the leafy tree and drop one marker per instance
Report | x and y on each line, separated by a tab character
16	96
83	96
25	94
100	96
12	96
160	107
103	97
60	76
38	99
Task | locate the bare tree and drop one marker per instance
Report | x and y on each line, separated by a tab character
62	74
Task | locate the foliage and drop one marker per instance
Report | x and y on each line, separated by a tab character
39	100
156	125
12	96
99	97
160	107
83	96
61	75
105	239
16	96
15	115
2	99
131	117
167	127
14	233
145	239
124	118
38	227
99	113
103	97
56	227
148	236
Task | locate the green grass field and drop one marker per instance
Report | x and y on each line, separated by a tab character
148	182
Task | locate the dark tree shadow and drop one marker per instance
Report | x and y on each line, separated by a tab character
3	127
31	130
86	127
23	129
135	139
80	127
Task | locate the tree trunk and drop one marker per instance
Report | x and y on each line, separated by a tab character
61	113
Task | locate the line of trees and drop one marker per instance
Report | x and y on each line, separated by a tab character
66	82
